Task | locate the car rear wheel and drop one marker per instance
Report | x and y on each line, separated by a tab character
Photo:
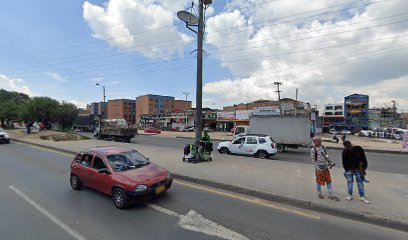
224	150
262	154
120	198
75	182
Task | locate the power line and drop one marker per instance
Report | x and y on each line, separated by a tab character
274	19
234	50
261	57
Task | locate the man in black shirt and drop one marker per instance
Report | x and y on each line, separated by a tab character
354	162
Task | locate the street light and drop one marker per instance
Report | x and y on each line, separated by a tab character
193	21
186	93
104	99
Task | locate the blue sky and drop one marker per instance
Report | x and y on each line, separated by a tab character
45	43
62	48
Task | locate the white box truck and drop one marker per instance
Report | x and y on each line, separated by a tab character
287	131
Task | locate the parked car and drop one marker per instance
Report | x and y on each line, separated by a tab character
208	129
152	130
4	137
120	172
261	146
189	129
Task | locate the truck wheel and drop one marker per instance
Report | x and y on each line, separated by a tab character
281	148
262	154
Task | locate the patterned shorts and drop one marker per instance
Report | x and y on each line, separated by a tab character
323	176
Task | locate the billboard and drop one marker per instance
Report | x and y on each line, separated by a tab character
226	116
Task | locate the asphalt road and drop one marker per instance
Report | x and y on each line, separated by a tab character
392	163
36	202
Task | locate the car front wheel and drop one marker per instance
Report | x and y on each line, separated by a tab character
224	150
75	182
120	198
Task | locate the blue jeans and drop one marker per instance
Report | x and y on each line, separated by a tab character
350	182
329	188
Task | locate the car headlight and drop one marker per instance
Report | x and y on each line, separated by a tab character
140	188
6	136
168	175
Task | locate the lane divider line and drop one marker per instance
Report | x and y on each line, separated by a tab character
46	213
256	201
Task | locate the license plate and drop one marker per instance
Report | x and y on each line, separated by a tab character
160	189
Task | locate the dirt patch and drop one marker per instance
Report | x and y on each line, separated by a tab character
48	135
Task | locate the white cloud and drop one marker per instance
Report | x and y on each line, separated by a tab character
136	25
376	67
56	77
78	103
17	85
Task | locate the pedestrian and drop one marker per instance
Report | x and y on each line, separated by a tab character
355	165
322	164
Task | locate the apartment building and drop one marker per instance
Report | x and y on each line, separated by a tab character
333	117
122	109
98	108
157	104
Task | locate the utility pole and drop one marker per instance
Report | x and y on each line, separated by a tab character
199	94
296	102
104	100
394	111
186	93
279	91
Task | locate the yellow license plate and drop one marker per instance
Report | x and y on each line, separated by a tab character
160	189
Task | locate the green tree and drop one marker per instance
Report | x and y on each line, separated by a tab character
41	109
11	105
65	114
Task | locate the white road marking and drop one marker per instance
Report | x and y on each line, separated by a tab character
46	213
196	222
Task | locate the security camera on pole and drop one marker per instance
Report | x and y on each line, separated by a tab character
192	21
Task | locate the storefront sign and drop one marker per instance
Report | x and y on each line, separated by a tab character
226	116
267	111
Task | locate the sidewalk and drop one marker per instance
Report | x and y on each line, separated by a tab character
291	183
369	144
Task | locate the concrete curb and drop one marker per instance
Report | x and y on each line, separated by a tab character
358	216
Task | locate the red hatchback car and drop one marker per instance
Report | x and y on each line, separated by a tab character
120	172
152	130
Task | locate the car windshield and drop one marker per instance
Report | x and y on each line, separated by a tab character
127	160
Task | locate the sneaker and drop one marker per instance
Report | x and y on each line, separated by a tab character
349	197
364	200
321	196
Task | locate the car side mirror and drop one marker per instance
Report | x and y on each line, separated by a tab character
104	170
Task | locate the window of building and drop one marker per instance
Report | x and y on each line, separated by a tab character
329	107
338	107
328	113
338	113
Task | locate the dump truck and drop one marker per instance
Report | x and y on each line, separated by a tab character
84	123
114	130
286	131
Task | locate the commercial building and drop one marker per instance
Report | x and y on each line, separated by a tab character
239	114
385	117
333	117
356	112
157	104
178	120
122	109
